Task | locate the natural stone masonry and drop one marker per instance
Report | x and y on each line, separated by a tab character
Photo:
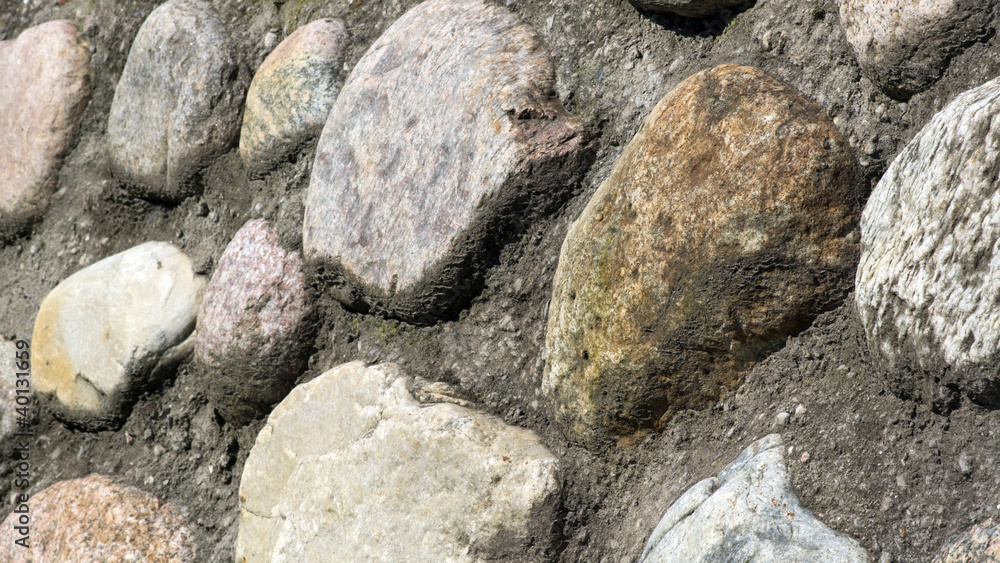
45	88
980	544
690	8
291	94
749	512
352	467
101	333
726	225
927	287
96	519
252	335
177	103
904	45
443	141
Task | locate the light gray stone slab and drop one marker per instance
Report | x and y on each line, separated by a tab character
747	513
353	467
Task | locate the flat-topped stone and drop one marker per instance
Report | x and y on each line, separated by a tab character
291	94
45	88
444	139
101	333
177	103
367	463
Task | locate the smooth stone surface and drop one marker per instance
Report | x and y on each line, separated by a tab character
980	544
96	519
45	89
690	8
904	45
444	140
252	336
101	333
177	104
725	226
927	288
291	94
747	513
360	465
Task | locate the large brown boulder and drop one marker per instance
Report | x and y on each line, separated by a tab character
727	224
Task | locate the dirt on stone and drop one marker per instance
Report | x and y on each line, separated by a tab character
892	473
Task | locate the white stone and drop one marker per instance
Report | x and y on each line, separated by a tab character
927	283
748	513
352	467
101	332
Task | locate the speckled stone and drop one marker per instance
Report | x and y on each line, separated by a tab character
291	94
177	104
96	519
253	328
365	463
726	225
444	139
45	88
904	45
927	288
101	334
690	8
980	544
748	512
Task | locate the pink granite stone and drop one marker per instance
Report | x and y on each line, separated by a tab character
96	519
45	88
254	321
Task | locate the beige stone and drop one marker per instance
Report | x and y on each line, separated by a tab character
353	467
100	334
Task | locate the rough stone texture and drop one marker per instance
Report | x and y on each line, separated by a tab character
102	332
45	88
94	519
177	103
926	283
981	544
291	94
351	466
747	513
442	142
725	226
904	45
690	8
252	334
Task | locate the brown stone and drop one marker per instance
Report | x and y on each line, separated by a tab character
45	88
444	140
252	335
96	519
292	92
726	225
